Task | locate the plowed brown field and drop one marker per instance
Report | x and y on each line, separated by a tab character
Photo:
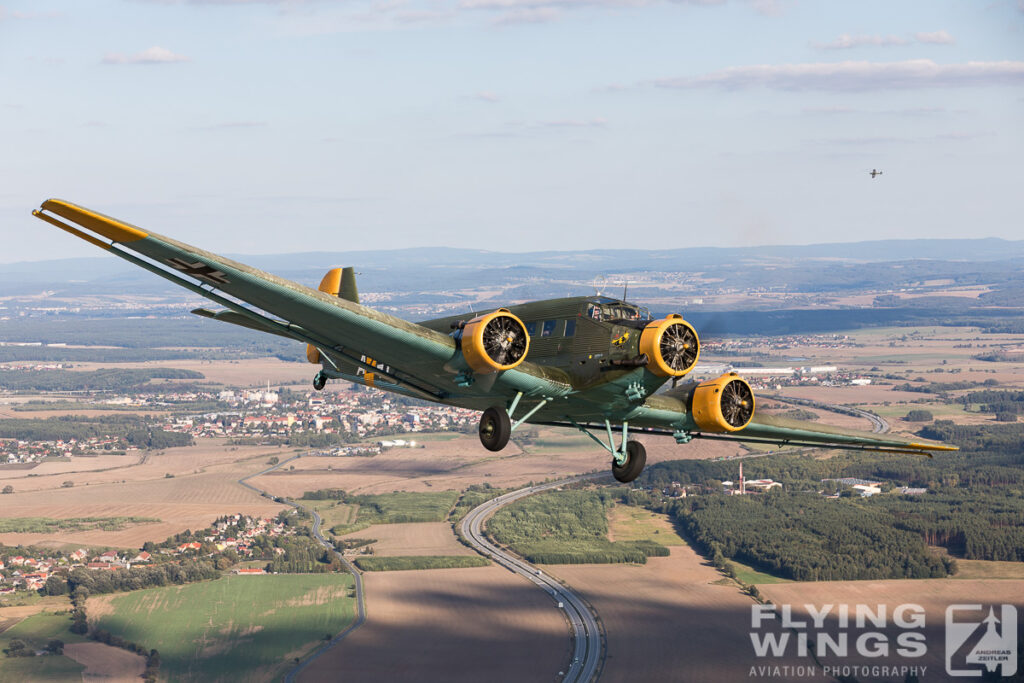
452	625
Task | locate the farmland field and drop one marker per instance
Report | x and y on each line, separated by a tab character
36	631
455	625
933	595
422	538
203	486
234	629
669	619
626	523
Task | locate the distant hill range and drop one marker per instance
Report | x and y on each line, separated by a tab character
809	268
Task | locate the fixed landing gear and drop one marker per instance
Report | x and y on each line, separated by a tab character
633	463
628	459
495	428
319	381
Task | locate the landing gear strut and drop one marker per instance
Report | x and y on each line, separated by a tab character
495	428
319	381
628	459
632	465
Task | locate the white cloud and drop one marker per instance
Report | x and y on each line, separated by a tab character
935	37
235	124
486	96
846	42
573	123
152	55
528	15
855	76
15	14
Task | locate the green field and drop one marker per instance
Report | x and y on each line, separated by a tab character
47	525
747	574
402	506
567	527
638	524
36	631
404	563
333	512
236	628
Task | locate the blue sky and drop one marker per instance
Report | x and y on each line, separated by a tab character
512	125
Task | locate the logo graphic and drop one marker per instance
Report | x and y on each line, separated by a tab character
975	641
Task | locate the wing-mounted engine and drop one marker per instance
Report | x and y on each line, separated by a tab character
494	342
725	404
671	346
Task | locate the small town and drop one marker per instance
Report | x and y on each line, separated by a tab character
236	537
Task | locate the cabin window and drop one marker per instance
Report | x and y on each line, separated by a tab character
548	328
570	327
593	312
531	328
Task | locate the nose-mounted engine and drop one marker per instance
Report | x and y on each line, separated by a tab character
671	346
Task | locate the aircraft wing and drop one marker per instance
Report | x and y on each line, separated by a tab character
400	354
688	414
779	431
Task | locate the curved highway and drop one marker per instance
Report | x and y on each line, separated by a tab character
588	642
879	425
291	676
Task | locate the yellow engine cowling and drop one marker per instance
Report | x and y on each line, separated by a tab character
671	345
725	404
330	284
494	342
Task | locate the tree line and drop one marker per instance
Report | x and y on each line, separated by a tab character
974	507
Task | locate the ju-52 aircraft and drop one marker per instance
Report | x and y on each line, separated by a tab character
589	363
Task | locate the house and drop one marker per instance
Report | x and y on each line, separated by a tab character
142	557
79	555
109	556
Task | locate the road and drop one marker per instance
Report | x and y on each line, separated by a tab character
588	641
292	675
879	425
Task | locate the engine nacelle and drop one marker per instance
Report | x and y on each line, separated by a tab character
494	342
725	404
671	345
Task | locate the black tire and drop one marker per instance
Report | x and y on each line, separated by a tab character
636	458
495	429
319	381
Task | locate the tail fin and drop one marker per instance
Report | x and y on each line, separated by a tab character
339	282
348	291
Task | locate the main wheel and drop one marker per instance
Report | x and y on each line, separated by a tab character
319	381
495	429
636	458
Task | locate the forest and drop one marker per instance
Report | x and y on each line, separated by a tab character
104	379
973	507
567	527
131	429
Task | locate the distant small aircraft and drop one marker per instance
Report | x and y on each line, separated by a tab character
590	363
875	172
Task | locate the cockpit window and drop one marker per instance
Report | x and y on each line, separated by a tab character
617	312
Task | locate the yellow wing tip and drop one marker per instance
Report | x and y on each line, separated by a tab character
934	447
111	228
